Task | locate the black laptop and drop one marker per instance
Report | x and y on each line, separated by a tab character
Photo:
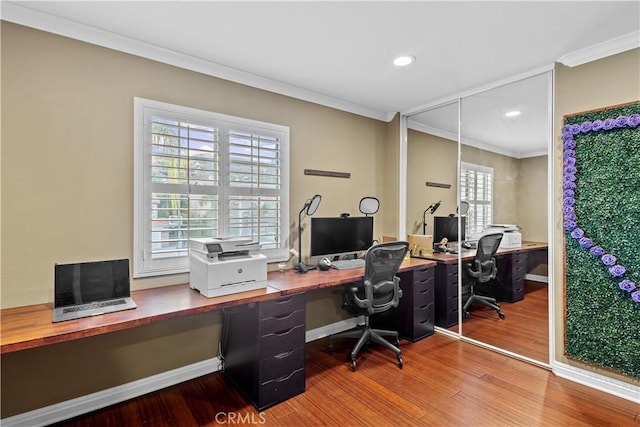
91	288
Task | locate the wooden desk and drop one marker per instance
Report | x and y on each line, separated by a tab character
291	282
469	254
31	326
263	334
511	271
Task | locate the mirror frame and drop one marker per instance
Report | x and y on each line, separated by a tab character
402	200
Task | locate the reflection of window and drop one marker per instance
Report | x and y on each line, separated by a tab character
202	174
476	187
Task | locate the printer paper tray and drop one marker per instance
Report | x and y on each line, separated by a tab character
232	289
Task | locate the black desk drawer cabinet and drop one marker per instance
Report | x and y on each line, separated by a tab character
263	348
413	319
511	271
446	295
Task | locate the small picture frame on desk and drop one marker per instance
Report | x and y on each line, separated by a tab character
420	245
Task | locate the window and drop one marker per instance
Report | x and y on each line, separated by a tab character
476	187
203	174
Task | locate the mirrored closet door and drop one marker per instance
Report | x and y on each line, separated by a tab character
489	149
504	158
432	175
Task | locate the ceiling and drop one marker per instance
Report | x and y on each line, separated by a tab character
340	53
484	124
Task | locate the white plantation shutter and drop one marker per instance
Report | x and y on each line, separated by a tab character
202	174
184	181
476	187
255	181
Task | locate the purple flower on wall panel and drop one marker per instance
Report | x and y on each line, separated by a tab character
596	125
608	124
585	242
617	270
627	285
621	121
577	233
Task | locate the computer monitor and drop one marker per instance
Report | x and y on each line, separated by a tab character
447	226
336	236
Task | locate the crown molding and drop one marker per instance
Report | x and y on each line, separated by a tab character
471	142
23	15
432	130
601	50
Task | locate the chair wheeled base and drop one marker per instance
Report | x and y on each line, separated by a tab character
366	334
483	300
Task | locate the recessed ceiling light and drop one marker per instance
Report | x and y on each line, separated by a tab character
402	61
513	113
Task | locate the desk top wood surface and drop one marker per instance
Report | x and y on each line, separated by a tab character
31	326
290	282
469	254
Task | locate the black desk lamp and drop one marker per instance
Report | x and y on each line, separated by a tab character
431	209
310	207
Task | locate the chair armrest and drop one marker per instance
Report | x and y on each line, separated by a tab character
471	271
367	301
398	291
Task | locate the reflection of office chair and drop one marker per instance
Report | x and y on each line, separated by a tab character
482	270
380	291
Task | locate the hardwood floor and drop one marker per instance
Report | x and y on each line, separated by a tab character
444	382
524	331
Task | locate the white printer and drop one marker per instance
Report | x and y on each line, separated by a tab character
511	236
222	266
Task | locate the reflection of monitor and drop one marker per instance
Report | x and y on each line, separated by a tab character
447	226
341	236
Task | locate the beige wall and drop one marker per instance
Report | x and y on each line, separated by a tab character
434	159
520	193
505	182
68	142
67	195
610	81
533	199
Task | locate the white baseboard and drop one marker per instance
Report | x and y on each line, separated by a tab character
94	401
537	278
334	328
599	382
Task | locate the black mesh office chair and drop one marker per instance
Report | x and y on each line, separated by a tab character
380	291
483	270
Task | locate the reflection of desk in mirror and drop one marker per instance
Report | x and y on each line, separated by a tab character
512	268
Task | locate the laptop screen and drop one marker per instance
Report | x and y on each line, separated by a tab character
91	281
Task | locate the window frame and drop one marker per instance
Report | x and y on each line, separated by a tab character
473	204
144	265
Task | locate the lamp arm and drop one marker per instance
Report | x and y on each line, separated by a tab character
433	207
306	205
424	222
